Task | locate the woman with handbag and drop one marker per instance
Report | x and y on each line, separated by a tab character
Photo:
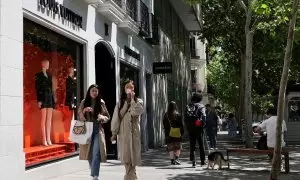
93	109
173	127
126	126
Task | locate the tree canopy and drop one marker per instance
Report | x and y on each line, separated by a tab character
223	29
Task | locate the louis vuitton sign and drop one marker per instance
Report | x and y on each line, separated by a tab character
61	10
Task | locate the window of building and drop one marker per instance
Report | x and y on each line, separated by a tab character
175	22
181	36
194	75
187	43
158	11
52	85
167	23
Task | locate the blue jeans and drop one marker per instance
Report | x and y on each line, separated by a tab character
95	157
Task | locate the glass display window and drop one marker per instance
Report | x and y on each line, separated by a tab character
52	85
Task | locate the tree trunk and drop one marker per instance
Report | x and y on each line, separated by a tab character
248	79
241	98
276	163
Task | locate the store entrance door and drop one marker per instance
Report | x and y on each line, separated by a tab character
105	78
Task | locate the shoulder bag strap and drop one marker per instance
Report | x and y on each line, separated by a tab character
199	108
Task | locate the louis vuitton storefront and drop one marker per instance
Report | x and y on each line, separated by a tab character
51	51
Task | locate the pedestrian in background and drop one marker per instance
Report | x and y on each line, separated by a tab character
173	122
211	125
195	120
93	109
126	126
232	125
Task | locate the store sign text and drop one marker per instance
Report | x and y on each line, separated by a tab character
162	68
64	12
132	53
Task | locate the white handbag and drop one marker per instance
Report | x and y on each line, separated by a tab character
81	131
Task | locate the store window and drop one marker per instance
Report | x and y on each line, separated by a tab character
52	85
129	73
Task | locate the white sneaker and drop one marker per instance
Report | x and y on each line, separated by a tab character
95	178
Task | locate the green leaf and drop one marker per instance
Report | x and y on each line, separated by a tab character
264	6
260	11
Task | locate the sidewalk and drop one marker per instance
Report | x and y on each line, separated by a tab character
156	166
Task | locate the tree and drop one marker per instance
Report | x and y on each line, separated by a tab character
276	163
247	74
222	30
222	76
232	30
239	42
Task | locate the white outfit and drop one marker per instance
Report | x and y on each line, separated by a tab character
269	125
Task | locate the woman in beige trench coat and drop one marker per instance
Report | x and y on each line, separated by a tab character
126	124
93	109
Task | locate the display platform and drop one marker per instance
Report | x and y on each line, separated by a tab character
41	154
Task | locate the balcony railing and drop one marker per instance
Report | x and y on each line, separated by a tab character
145	20
138	12
118	2
131	9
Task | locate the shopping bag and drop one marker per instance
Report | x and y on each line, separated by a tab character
81	131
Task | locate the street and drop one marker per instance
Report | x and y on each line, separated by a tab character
156	166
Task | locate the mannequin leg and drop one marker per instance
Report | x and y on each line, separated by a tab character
43	126
48	125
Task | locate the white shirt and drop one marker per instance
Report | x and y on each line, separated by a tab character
269	125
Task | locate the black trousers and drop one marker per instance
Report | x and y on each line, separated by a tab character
212	135
197	136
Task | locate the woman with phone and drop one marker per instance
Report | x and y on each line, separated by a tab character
126	125
93	109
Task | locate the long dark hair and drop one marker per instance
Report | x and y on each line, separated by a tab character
88	100
124	97
172	110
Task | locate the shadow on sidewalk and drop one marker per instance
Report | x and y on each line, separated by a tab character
221	174
243	167
157	158
230	174
113	163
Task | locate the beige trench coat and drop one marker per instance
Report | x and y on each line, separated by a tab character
84	151
126	124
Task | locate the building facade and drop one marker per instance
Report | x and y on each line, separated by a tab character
106	42
175	22
198	67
